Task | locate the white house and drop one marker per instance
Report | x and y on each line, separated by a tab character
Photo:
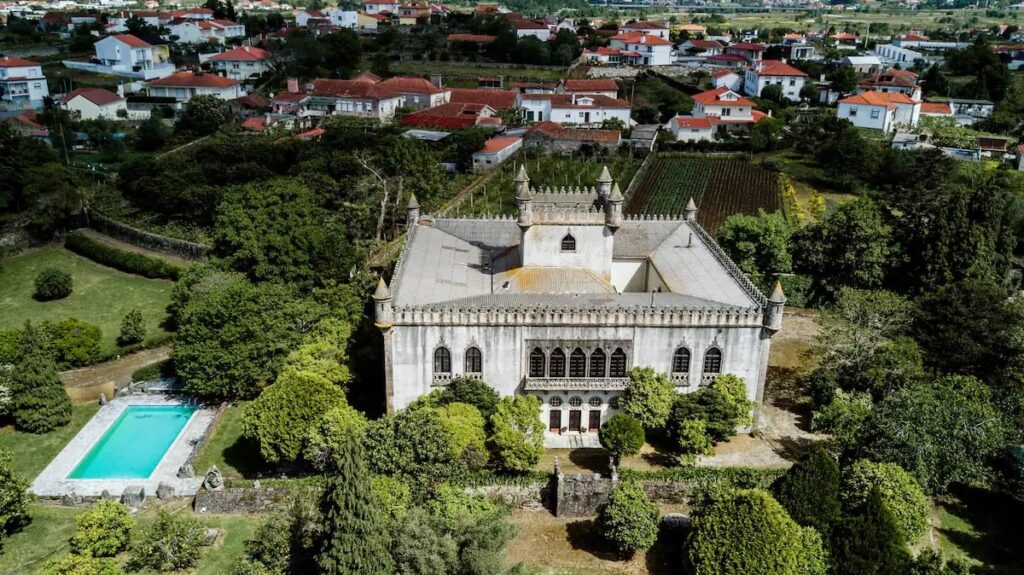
862	64
767	72
357	98
339	18
600	86
646	29
118	22
526	28
495	151
725	105
727	79
574	109
303	16
890	54
183	86
649	50
379	7
241	63
701	47
880	110
216	31
128	55
561	301
22	83
892	80
691	129
93	103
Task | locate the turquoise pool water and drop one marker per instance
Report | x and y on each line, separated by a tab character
135	443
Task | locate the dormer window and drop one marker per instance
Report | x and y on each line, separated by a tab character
568	243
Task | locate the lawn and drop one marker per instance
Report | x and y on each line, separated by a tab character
474	70
982	526
31	452
47	536
101	296
234	455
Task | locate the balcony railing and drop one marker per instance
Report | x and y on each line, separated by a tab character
581	383
442	378
707	379
681	379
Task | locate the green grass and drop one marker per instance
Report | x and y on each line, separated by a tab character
474	70
497	196
233	454
101	296
981	526
31	452
47	536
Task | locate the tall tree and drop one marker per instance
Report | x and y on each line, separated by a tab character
355	540
870	542
40	402
810	491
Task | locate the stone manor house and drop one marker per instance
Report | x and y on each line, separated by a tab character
563	300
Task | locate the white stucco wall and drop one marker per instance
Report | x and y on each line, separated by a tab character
541	246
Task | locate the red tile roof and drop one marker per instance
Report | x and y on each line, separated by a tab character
528	25
721	73
410	85
992	143
498	144
713	98
639	38
691	122
367	77
352	89
477	38
844	36
193	80
603	51
497	99
257	124
937	108
133	41
13	62
887	99
242	53
252	101
748	46
97	96
727	57
705	44
558	132
448	116
777	68
600	85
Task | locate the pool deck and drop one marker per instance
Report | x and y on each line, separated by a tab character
54	482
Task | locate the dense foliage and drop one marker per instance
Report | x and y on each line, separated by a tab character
327	434
102	531
897	489
517	440
73	564
131	262
648	397
169	543
629	521
40	402
52	283
13	498
622	435
810	491
133	328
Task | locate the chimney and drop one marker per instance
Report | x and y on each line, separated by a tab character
293	85
436	80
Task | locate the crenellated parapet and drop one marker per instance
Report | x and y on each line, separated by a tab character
580	316
562	215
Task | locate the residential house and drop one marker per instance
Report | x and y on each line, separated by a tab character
370	22
993	146
26	123
186	14
749	51
574	109
892	80
453	116
118	21
1020	157
556	138
495	151
603	87
692	129
130	56
526	28
410	14
357	98
722	108
727	79
496	99
936	109
768	72
241	63
701	47
880	110
606	56
793	39
302	17
382	7
418	93
649	50
734	61
968	112
22	83
801	52
93	103
862	64
215	31
183	86
645	29
891	54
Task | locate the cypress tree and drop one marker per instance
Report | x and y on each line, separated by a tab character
810	491
355	539
871	543
40	402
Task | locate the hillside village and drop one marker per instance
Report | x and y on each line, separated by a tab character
526	288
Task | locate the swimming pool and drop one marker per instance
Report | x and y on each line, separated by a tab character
134	445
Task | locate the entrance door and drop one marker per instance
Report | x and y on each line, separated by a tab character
555	420
575	417
586	117
595	420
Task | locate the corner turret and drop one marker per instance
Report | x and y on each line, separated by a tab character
412	211
773	311
604	184
524	201
383	316
690	211
613	208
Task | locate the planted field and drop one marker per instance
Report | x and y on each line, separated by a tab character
719	186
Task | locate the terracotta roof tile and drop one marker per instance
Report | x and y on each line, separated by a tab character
13	62
242	53
497	99
193	80
600	85
97	96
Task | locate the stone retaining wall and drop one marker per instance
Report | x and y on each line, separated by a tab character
534	497
144	239
243	500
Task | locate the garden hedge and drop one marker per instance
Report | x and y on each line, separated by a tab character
123	260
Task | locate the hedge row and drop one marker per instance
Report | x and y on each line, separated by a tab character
123	260
700	477
490	477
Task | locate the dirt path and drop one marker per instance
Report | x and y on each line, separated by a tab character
119	371
122	245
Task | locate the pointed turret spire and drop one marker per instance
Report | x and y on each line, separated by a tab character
605	175
412	211
616	195
690	211
604	183
522	184
413	202
382	292
778	296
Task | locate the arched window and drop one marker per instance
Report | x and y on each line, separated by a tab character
681	361
556	366
578	363
537	362
474	360
442	360
618	363
713	361
568	243
598	363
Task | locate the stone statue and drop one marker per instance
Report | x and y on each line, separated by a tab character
214	481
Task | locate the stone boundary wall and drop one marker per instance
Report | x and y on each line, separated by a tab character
535	497
241	500
583	494
144	239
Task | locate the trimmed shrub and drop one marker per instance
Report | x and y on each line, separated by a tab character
133	328
899	490
125	261
103	530
622	435
810	491
391	496
40	402
691	436
52	283
648	397
168	544
871	541
281	417
74	342
472	391
326	434
466	426
517	441
71	564
156	370
629	521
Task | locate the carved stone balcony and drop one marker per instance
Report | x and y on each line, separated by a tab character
442	378
680	379
707	379
575	383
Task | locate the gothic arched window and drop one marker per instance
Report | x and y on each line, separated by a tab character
598	363
568	243
442	360
578	363
713	361
681	361
537	362
556	366
474	360
618	363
